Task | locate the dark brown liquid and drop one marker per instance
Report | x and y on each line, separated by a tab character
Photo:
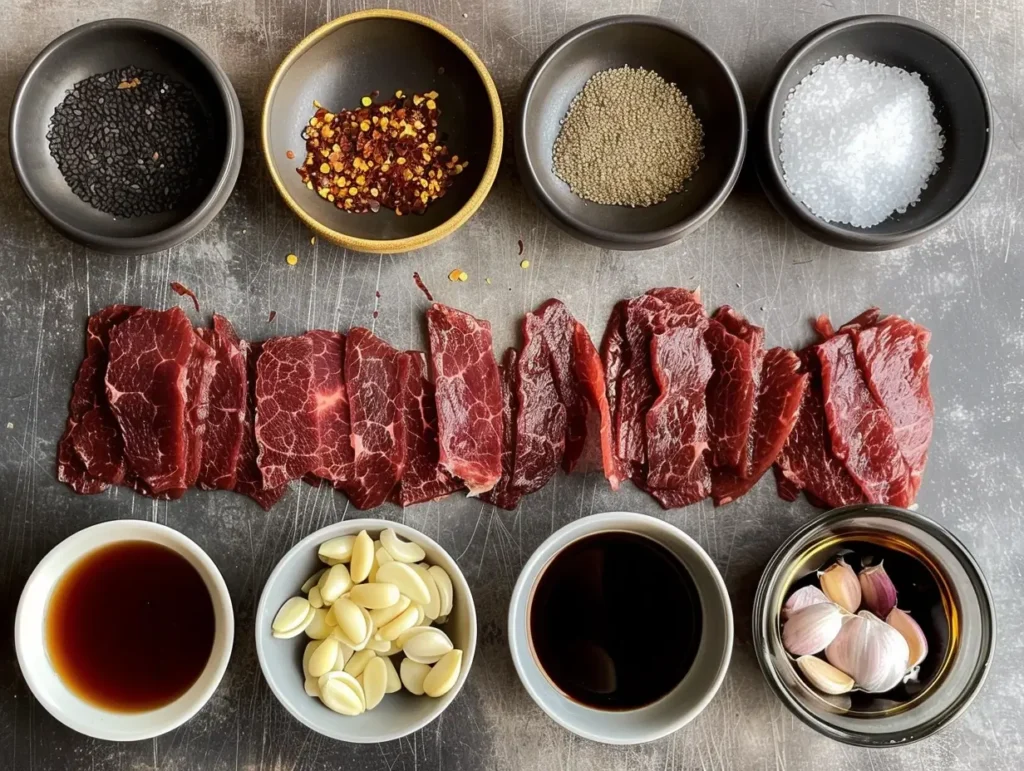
592	618
130	626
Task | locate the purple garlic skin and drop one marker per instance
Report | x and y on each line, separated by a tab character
877	590
801	598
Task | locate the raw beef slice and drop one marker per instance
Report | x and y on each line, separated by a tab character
286	428
806	461
225	419
753	336
863	436
778	406
676	424
504	494
613	353
202	366
590	380
146	385
893	357
730	396
423	478
248	478
334	456
378	431
468	393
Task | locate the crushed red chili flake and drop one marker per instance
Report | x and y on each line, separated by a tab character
386	154
272	316
184	291
290	155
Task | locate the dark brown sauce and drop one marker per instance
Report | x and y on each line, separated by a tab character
592	614
130	626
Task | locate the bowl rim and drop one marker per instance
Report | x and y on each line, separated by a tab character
771	574
203	213
407	243
351	527
104	534
650	238
770	165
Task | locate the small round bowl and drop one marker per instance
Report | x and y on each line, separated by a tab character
399	714
98	47
969	641
961	108
45	683
654	44
680	705
385	51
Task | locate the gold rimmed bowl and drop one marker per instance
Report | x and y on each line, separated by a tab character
384	51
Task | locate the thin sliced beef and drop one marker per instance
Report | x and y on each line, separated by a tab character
753	336
286	427
146	385
863	435
893	357
334	454
504	494
423	478
468	392
202	366
248	477
676	424
225	419
806	461
778	405
541	423
730	397
378	432
613	359
591	383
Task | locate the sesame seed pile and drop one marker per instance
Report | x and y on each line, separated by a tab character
128	142
629	138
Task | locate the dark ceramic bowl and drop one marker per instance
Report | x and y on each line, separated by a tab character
654	44
961	107
384	51
99	47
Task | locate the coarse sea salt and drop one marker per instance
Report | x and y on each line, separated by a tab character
859	141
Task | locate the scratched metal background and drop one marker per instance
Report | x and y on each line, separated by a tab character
964	283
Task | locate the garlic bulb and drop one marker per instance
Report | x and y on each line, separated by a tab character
840	584
825	677
810	629
877	590
801	598
870	651
901	621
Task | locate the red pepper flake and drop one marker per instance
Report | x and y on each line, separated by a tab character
378	293
422	286
184	291
290	155
272	316
520	247
376	314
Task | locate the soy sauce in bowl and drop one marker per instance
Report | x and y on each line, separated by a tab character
587	611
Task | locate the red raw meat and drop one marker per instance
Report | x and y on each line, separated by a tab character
334	454
504	494
423	479
778	406
806	461
893	357
677	421
378	432
863	436
202	366
541	424
286	427
468	392
248	478
730	396
225	419
146	389
591	384
613	353
753	336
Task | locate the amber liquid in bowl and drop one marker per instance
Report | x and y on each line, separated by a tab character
130	626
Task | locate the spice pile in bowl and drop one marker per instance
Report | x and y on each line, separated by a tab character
381	154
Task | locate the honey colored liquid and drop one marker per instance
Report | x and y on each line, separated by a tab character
130	626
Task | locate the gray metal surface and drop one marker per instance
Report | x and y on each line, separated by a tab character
965	283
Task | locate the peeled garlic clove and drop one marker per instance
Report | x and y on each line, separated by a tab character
801	598
428	646
315	598
394	681
902	622
375	596
336	582
382	647
337	550
341	692
291	614
344	654
443	674
404	621
350	619
877	590
382	555
375	681
810	629
840	584
823	676
358	662
362	557
384	616
296	631
406	579
324	658
413	675
311	646
374	564
431	608
444	587
317	629
312	689
312	581
871	652
411	632
401	551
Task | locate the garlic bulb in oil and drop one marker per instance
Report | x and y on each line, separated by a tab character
871	652
901	621
877	590
801	598
807	631
840	584
825	677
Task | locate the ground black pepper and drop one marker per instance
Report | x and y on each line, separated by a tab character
129	142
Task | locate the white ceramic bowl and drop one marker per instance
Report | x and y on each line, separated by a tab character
686	700
399	714
43	680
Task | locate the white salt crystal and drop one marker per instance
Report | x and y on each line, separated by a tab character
859	141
